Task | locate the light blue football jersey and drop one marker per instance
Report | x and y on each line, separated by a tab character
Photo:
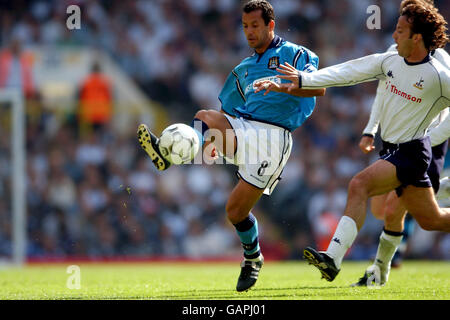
239	99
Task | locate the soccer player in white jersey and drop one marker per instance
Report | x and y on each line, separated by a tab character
388	207
417	90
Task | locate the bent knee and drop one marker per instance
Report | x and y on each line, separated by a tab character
207	116
201	114
357	185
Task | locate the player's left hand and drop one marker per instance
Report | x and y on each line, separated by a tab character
272	86
366	144
289	73
266	85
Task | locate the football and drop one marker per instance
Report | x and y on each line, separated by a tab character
179	143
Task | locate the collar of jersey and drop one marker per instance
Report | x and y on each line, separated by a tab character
425	60
276	42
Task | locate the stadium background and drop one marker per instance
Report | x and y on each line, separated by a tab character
92	192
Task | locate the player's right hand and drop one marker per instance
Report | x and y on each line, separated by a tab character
366	144
289	73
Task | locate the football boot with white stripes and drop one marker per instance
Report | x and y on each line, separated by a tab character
150	143
249	274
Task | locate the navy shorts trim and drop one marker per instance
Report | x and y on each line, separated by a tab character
411	160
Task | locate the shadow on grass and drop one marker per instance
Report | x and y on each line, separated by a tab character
292	293
256	293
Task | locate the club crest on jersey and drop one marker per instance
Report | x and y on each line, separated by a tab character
274	62
419	84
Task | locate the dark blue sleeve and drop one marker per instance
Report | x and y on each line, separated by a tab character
308	61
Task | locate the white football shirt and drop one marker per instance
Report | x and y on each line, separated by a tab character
414	93
438	134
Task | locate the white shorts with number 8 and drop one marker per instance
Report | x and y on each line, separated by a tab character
262	152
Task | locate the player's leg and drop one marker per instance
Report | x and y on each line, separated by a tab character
242	199
425	209
434	172
261	155
213	124
378	178
394	213
377	204
408	229
421	204
205	123
390	238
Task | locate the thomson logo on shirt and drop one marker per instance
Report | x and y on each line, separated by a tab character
405	95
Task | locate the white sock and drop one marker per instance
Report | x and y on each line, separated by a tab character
386	250
342	240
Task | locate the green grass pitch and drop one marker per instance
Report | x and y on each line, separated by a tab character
424	280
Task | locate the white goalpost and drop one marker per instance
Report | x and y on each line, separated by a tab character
15	98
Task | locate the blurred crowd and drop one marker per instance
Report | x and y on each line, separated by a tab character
94	192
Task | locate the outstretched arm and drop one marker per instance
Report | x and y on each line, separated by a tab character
269	86
368	68
288	87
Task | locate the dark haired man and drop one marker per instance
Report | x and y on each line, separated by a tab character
246	115
417	90
388	207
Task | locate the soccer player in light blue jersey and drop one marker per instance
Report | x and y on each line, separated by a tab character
246	115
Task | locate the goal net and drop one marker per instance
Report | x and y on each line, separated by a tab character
12	178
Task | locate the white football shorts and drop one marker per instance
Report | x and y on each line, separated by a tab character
262	152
